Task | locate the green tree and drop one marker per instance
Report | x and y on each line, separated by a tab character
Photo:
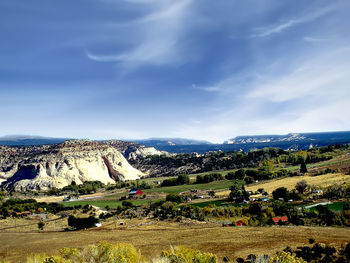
303	168
174	198
183	179
239	174
267	166
41	225
82	222
301	157
238	193
211	193
281	192
302	186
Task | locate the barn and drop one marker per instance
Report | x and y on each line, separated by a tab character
135	191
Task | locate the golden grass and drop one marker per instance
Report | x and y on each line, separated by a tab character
152	239
290	182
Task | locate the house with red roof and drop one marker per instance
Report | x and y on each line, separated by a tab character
240	223
280	220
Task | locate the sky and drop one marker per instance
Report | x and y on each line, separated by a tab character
201	69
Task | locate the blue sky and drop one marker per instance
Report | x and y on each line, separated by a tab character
203	69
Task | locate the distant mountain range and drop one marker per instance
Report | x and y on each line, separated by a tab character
179	145
291	137
155	142
25	140
247	143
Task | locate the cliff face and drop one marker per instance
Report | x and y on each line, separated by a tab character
42	167
133	150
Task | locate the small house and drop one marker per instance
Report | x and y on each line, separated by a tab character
240	223
264	199
135	191
280	219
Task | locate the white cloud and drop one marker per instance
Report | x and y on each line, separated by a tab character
282	26
327	73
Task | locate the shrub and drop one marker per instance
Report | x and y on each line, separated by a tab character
100	253
285	257
124	253
174	198
311	241
104	252
127	204
41	225
43	258
187	255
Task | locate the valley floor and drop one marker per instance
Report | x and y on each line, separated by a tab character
152	238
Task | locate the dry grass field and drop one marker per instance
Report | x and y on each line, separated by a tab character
290	182
152	239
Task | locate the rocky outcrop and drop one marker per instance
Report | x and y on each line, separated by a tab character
43	167
142	152
133	150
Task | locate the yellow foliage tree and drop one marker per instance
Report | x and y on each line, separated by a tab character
285	257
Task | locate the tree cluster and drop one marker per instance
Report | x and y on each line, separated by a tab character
82	222
207	178
180	180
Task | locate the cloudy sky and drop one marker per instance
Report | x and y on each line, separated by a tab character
198	69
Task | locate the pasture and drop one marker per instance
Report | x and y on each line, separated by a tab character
216	185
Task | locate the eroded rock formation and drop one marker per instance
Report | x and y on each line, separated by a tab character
43	167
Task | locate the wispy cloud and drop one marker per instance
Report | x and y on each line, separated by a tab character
156	37
315	39
207	88
282	26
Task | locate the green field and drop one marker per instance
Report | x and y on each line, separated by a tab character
103	203
216	185
336	206
214	202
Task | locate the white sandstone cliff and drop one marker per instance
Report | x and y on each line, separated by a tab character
59	165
